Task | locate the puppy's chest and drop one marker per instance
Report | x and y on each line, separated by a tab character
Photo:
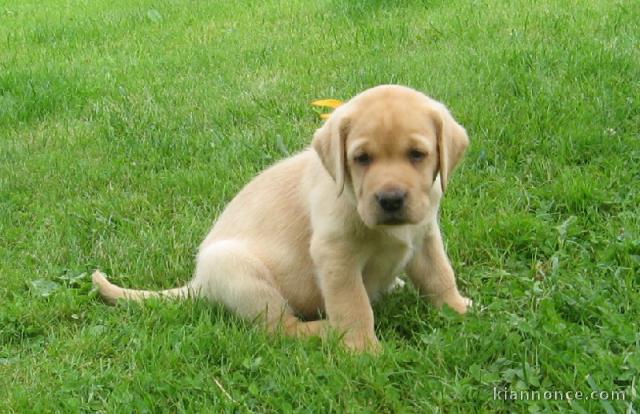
386	261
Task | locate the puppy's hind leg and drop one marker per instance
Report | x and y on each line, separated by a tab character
228	273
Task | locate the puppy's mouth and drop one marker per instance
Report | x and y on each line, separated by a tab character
393	220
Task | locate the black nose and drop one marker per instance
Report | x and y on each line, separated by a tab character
391	201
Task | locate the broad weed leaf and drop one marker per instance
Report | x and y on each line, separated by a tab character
44	288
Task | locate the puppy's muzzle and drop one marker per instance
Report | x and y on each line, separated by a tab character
392	203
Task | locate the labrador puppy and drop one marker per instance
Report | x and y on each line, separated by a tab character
326	231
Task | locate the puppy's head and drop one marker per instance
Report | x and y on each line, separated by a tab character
394	149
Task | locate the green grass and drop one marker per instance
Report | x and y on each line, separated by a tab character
126	128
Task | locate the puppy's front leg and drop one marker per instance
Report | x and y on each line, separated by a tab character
346	300
431	272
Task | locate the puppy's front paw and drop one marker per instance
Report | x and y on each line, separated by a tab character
460	304
464	306
362	343
455	301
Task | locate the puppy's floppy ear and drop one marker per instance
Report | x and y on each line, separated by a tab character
329	142
452	142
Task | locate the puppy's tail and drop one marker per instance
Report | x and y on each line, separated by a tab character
111	293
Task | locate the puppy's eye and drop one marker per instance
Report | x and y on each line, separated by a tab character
416	156
363	159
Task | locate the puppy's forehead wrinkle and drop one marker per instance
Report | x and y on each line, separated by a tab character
386	121
359	143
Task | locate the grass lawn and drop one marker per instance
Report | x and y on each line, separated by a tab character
125	128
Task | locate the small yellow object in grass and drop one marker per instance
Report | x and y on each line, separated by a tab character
327	103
